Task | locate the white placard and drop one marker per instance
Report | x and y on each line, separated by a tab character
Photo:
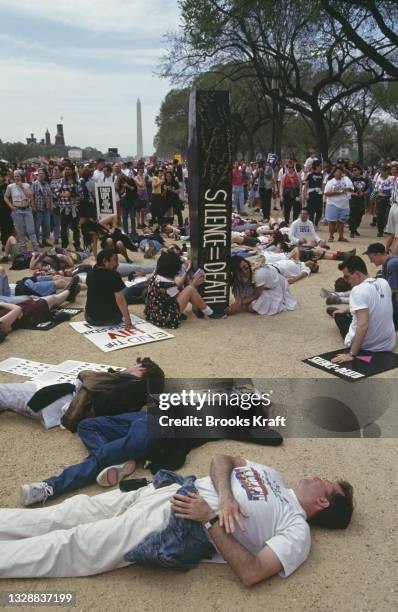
105	197
117	337
24	367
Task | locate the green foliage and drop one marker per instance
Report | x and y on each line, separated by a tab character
386	97
172	123
18	151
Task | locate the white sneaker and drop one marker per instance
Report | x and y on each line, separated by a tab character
35	493
112	475
325	293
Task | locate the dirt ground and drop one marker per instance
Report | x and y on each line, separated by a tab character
348	571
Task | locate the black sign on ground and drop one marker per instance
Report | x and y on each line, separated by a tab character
210	191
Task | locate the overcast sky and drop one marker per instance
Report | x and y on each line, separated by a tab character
87	62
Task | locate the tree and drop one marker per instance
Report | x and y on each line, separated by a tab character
386	96
172	123
384	140
359	109
295	44
369	26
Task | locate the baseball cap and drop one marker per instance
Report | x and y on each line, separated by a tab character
376	247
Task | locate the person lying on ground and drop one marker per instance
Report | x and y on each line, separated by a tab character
259	526
38	286
91	394
31	312
264	292
150	242
106	303
167	299
369	324
115	239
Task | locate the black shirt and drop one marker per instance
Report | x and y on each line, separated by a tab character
101	305
360	184
315	180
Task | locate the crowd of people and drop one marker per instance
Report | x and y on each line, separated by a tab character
243	510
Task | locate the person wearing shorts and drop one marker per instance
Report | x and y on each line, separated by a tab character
337	212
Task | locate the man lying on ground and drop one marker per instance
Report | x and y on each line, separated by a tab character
259	526
39	286
32	311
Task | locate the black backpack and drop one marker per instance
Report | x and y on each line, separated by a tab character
20	262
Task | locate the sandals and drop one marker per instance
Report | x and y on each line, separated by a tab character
343	240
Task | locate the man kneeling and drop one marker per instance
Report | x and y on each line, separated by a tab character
259	526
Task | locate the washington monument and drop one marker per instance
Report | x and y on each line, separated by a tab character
140	152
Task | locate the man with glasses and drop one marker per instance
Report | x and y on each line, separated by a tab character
369	324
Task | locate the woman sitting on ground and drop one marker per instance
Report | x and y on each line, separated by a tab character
166	300
264	292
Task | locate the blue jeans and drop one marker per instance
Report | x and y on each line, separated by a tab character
239	198
126	213
42	222
44	286
24	224
56	222
5	292
155	243
110	440
125	269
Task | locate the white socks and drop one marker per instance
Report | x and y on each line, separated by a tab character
207	311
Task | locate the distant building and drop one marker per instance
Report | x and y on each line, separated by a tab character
59	136
75	154
48	138
31	140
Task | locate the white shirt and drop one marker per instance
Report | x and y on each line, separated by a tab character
302	230
52	414
266	276
17	194
373	295
98	176
290	268
392	222
276	519
341	200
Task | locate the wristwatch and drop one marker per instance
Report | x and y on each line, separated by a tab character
211	522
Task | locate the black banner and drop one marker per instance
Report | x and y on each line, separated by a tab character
367	363
210	192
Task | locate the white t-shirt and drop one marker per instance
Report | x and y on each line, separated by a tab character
98	176
392	223
300	230
52	414
266	276
17	194
374	294
290	268
341	200
276	519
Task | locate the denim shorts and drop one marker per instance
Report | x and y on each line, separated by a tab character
334	213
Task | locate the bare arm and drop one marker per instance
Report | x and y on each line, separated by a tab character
294	279
122	304
362	329
249	568
7	320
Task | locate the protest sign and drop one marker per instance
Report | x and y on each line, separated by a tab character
112	338
105	197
